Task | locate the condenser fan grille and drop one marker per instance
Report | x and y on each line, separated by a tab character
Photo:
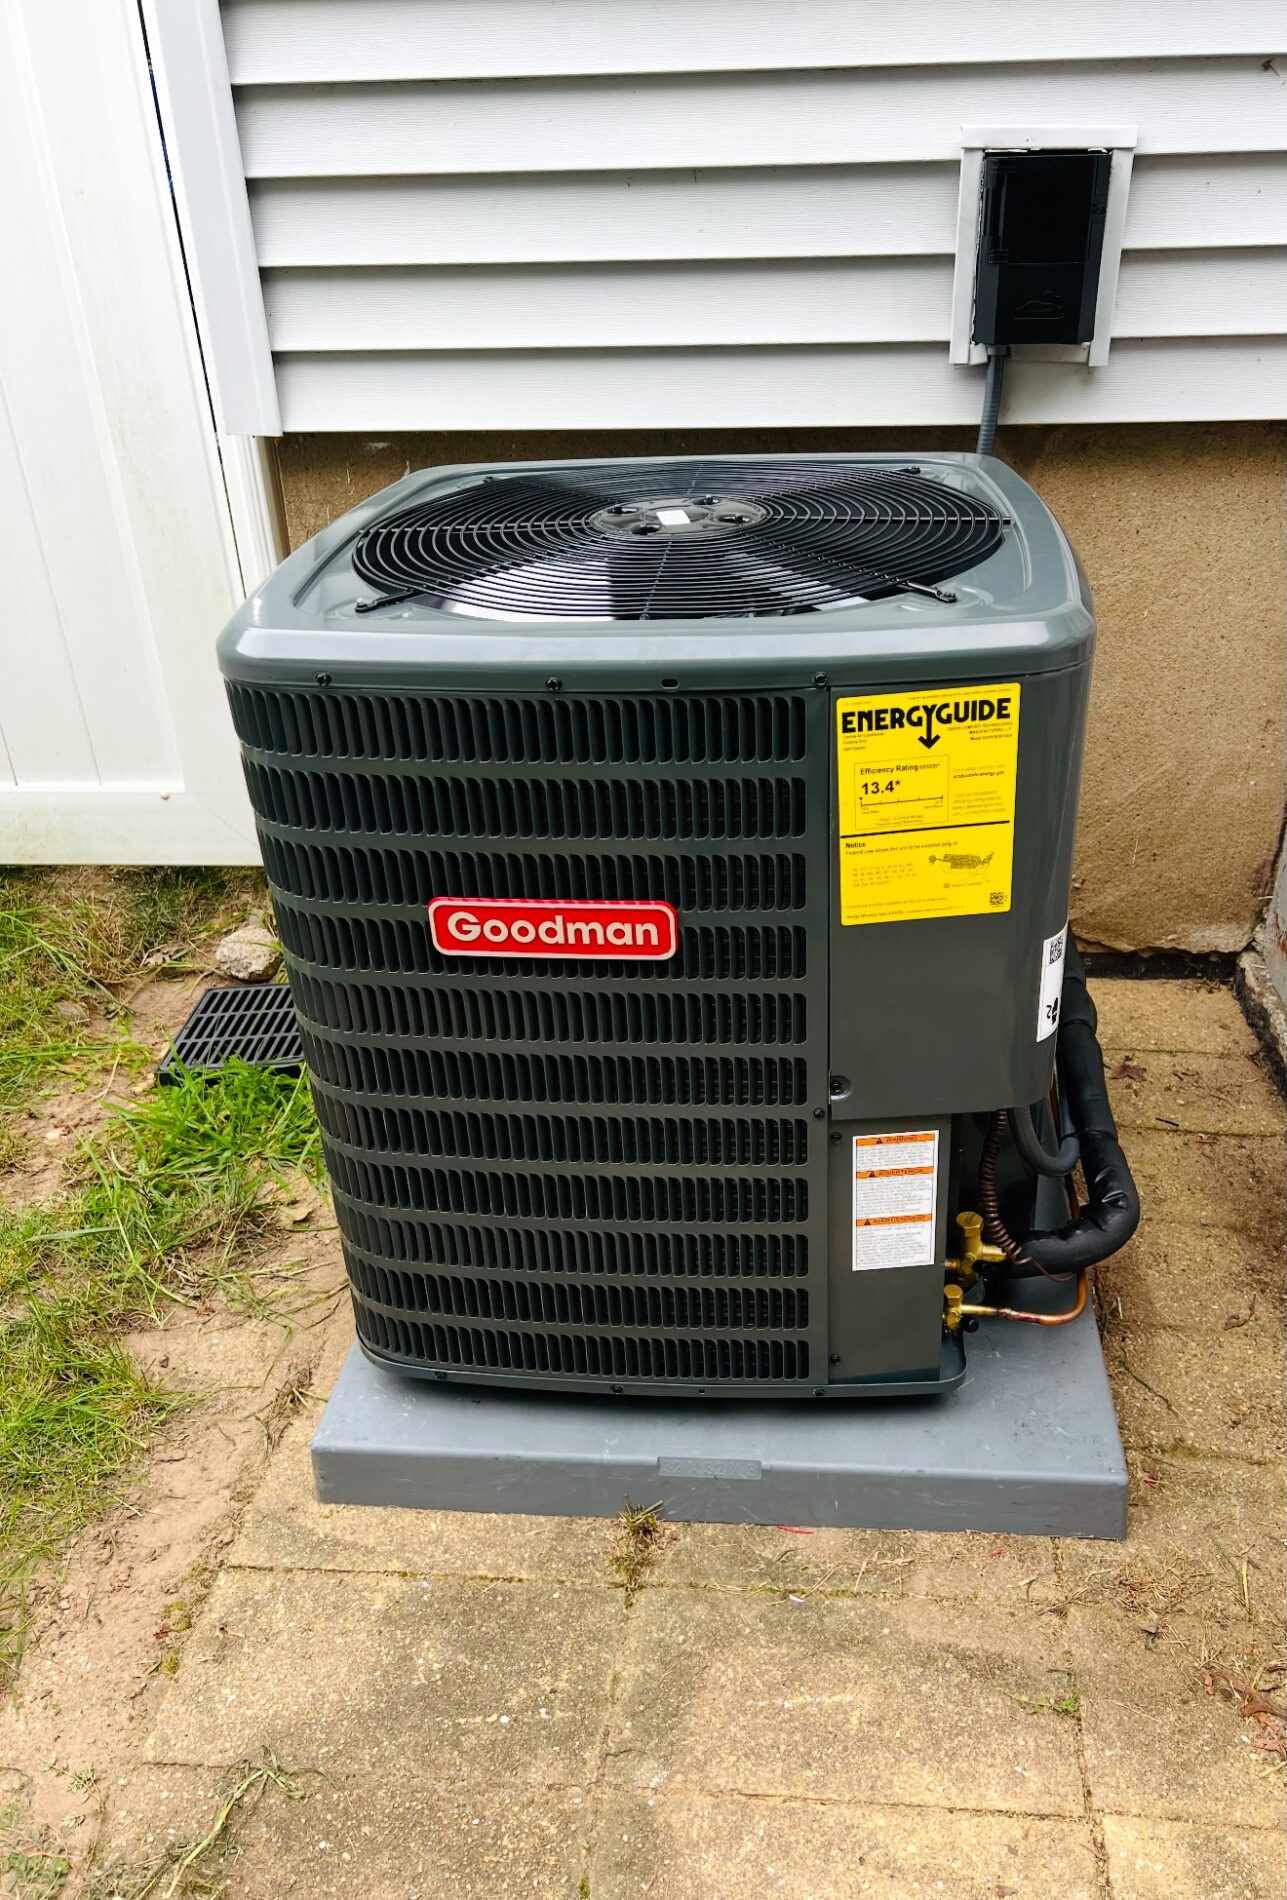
676	540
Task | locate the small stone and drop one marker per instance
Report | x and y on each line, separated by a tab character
251	954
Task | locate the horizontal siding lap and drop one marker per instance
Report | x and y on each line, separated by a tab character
834	117
881	210
848	385
835	300
789	211
271	41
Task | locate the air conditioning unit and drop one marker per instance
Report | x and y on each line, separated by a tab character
671	859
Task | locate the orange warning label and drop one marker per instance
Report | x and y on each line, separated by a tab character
894	1197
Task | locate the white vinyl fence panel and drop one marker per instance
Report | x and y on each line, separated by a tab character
118	550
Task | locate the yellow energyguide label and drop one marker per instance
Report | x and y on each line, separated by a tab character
926	788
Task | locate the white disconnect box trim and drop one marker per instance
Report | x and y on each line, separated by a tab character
1120	140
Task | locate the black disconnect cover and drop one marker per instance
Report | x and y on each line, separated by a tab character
1041	238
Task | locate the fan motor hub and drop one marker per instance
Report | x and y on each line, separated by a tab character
685	516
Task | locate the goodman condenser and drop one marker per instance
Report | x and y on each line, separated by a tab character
671	860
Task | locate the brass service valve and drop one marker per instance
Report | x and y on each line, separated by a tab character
975	1251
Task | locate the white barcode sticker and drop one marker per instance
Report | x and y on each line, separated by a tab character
674	517
895	1195
1052	984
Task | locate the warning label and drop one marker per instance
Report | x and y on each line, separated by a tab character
895	1192
926	786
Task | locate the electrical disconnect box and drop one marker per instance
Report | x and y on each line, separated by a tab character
1041	239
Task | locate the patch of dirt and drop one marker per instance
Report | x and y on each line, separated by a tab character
1257	1696
110	1627
50	1134
158	1008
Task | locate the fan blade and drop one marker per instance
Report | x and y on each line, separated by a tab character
728	578
479	570
826	565
633	569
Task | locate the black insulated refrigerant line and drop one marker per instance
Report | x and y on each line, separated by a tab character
1112	1210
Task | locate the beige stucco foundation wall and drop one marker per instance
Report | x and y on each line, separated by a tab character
1181	530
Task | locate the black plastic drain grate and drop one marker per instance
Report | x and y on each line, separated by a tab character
252	1021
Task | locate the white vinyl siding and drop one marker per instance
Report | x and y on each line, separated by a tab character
832	211
576	213
703	388
819	300
282	41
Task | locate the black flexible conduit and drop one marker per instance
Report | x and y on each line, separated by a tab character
1038	1157
1112	1210
991	399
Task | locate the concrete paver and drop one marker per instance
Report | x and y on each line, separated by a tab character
1175	1016
485	1682
390	1836
1219	1180
1193	1525
787	1559
981	1568
1214	1393
1158	1860
847	1700
1201	1094
1156	1743
714	1847
1195	1279
286	1527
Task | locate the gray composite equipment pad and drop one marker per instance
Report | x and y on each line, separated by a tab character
1028	1445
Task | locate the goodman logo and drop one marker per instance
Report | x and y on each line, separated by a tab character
522	927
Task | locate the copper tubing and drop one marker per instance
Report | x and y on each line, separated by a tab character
1070	1183
1075	1311
993	1226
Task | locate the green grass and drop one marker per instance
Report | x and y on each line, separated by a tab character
73	943
29	1867
166	1202
162	1192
